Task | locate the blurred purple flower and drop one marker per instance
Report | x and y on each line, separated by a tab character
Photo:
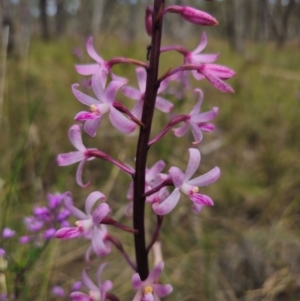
58	291
8	233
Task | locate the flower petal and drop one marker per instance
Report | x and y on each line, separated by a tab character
206	179
85	115
75	137
197	208
193	164
205	58
91	51
131	93
120	122
141	75
98	244
111	91
99	213
197	133
88	282
218	83
97	85
92	199
83	98
137	110
168	204
155	272
91	126
180	131
68	201
79	174
205	117
69	158
201	199
86	69
155	170
68	233
177	176
162	290
136	281
79	296
197	106
138	296
106	286
201	46
163	104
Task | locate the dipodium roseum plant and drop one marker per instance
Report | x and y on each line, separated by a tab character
151	186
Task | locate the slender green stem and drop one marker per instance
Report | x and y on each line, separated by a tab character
142	147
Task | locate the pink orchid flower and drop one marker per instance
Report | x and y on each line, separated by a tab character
138	95
96	292
149	289
197	121
88	223
184	183
103	104
91	69
81	155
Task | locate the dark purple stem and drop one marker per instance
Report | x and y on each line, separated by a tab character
152	86
156	232
119	246
173	122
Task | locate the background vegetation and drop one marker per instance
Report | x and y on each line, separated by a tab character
244	248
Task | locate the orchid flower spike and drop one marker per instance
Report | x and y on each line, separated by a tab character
81	155
91	69
103	104
96	292
139	95
149	289
88	223
189	187
197	121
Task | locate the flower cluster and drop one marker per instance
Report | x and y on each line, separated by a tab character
149	186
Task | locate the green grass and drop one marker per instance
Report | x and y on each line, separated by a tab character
229	251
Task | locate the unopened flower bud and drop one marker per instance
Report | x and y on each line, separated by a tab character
148	20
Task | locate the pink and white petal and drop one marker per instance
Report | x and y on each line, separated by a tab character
79	296
90	285
92	199
201	199
197	75
197	133
91	51
98	244
180	131
69	205
219	71
99	273
205	117
193	164
162	290
88	254
168	204
197	208
206	179
91	126
69	158
111	91
218	83
85	115
87	69
97	85
131	93
136	281
155	272
149	297
120	122
75	137
137	110
163	85
205	58
138	296
68	233
79	174
155	170
197	106
206	127
99	213
141	75
177	176
106	286
202	44
163	104
83	98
